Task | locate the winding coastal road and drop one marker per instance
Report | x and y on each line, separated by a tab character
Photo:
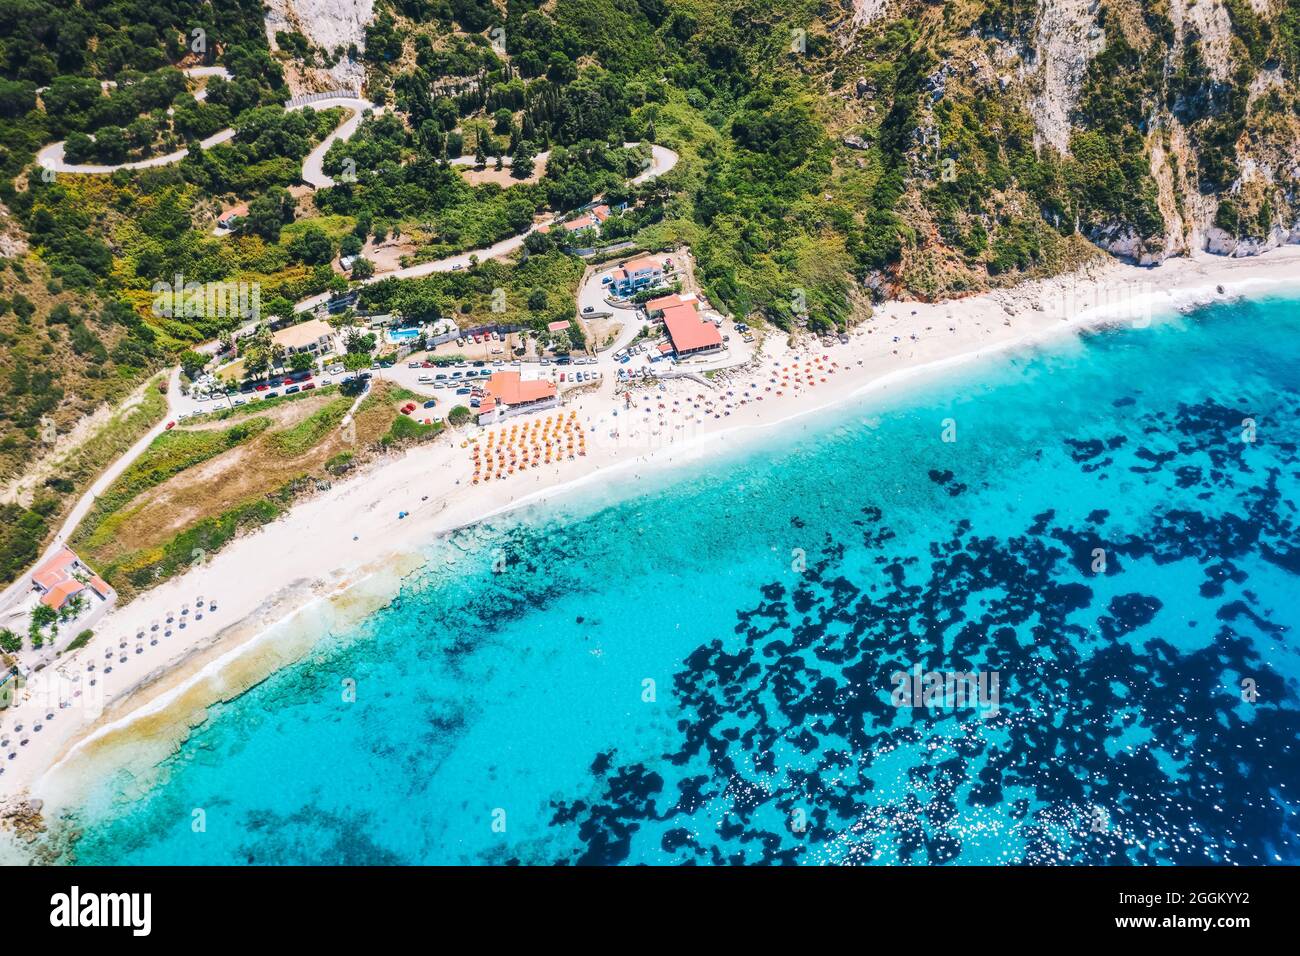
662	159
52	156
22	584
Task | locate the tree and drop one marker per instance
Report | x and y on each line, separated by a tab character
312	246
523	159
538	243
42	616
357	342
10	642
72	608
267	213
192	362
459	415
111	144
537	300
356	361
480	154
17	98
301	361
362	268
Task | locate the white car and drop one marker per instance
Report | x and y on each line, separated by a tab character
425	379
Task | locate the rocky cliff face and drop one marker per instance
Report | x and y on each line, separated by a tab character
1159	127
337	31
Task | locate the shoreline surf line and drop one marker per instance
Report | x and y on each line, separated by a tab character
688	449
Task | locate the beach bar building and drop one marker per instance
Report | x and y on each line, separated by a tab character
507	394
689	332
63	577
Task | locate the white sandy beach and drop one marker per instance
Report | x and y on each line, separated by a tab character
342	554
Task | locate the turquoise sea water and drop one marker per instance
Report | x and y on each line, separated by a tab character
698	665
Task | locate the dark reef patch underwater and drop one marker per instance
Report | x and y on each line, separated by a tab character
754	660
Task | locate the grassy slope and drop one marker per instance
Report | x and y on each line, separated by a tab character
197	487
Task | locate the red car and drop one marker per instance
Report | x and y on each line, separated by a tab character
170	425
309	385
263	388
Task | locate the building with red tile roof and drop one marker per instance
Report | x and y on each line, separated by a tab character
636	275
63	577
507	393
231	216
664	301
594	218
689	333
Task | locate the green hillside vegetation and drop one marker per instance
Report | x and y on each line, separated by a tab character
533	292
160	516
71	47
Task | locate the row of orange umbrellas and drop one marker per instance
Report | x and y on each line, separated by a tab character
534	442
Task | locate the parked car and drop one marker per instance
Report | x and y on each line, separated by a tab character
431	403
272	394
169	426
291	390
587	309
412	364
424	379
462	391
308	386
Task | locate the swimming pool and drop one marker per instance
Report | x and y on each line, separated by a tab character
402	335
